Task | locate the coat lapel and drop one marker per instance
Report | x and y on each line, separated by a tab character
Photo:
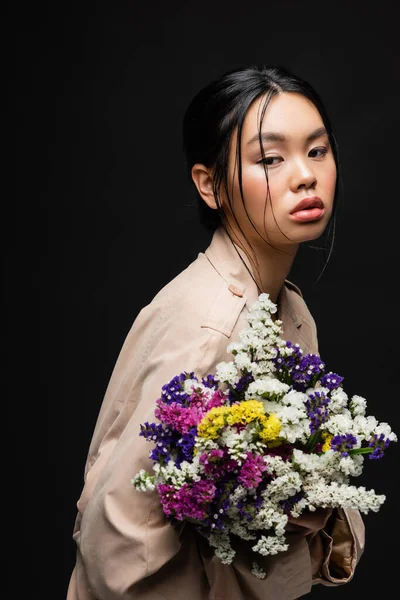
226	257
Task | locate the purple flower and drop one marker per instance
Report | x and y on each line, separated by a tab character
186	443
252	470
162	437
210	381
379	443
316	407
297	370
181	418
288	362
190	501
217	463
220	504
173	390
160	454
287	505
152	431
248	507
236	393
331	380
343	443
307	372
284	450
217	399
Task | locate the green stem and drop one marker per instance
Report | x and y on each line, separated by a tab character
312	442
361	451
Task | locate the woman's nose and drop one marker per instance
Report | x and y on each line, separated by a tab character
302	176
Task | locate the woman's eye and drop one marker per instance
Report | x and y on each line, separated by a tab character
269	160
322	152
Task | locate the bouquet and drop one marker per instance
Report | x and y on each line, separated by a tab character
270	435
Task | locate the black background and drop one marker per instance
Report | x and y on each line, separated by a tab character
104	217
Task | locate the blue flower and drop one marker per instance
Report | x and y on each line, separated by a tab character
173	390
343	443
317	411
331	380
379	443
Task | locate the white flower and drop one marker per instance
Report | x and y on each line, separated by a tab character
283	487
270	545
265	304
364	426
222	545
262	368
188	385
143	481
277	465
352	465
269	516
235	347
345	496
387	431
172	475
266	387
239	443
299	507
339	400
205	445
296	399
241	531
258	571
227	372
243	361
292	431
358	405
339	424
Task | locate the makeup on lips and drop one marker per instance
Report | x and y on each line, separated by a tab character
308	209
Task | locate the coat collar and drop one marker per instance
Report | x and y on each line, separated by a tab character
225	255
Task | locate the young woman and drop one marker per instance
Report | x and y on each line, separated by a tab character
262	155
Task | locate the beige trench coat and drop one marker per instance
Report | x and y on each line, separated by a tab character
126	548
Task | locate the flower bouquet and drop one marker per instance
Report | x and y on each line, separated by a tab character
270	435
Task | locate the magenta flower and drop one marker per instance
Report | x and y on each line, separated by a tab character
177	416
190	501
217	463
217	399
251	471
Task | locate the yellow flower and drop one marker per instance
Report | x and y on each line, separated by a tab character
271	427
245	412
242	413
327	441
211	424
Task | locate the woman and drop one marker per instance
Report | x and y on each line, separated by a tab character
262	155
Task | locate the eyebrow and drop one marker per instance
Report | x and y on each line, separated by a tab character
269	136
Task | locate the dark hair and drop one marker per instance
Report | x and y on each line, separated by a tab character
220	107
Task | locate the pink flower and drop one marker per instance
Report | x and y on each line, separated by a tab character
217	399
251	471
179	417
190	501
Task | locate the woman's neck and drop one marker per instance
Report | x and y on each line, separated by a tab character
269	266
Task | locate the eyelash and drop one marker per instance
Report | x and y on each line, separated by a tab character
322	149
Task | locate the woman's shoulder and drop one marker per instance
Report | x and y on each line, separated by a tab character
198	297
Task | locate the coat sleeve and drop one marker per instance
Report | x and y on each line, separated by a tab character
122	534
337	548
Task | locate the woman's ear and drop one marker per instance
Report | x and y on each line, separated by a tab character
203	180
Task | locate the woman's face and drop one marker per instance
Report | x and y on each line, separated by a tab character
300	165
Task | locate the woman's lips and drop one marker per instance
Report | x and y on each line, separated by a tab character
308	209
309	214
